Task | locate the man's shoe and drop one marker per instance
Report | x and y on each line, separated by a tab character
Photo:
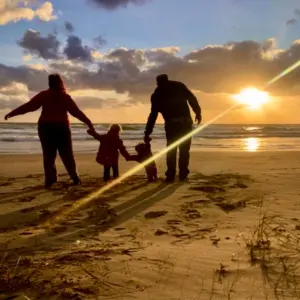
76	181
169	179
49	184
183	178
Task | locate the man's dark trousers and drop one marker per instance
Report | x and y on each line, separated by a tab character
174	131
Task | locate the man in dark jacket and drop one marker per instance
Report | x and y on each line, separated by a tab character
171	99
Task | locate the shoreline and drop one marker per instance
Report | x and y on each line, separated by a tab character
198	150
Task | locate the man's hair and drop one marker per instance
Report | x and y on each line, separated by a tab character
56	83
162	78
115	127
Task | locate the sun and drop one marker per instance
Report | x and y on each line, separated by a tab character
252	97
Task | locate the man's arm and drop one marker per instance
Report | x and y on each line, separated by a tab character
34	104
193	102
152	116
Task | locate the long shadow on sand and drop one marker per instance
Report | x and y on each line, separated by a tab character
28	192
131	208
91	226
123	213
37	215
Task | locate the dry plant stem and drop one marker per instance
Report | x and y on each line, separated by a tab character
107	283
279	261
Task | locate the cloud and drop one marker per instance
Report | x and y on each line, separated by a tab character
96	102
35	80
16	10
45	12
69	27
27	57
99	41
115	4
97	55
291	22
294	21
13	95
213	70
14	88
45	47
74	50
37	66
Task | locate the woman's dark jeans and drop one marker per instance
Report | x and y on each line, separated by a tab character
57	137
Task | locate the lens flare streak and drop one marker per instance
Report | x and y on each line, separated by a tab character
141	166
283	73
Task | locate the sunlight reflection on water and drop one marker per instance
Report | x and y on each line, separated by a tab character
251	144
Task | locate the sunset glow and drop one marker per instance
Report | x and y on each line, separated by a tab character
252	98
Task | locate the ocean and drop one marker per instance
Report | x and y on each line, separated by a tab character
22	138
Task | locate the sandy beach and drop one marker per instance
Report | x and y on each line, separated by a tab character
231	232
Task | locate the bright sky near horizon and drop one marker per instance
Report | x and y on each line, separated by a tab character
110	51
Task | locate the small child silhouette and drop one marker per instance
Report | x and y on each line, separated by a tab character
143	153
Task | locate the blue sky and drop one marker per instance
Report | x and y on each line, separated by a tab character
188	24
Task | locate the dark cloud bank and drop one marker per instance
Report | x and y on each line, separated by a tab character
212	69
115	4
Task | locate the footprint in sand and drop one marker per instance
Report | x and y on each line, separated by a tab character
34	176
13	297
215	240
26	199
26	210
60	229
7	183
160	232
201	201
228	207
174	222
44	212
210	189
192	214
26	233
155	214
119	229
240	185
187	196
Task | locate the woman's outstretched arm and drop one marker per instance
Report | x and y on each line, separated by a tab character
74	110
34	104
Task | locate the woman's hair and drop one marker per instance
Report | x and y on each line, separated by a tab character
116	128
56	83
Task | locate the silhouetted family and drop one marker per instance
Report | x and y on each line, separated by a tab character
170	98
108	153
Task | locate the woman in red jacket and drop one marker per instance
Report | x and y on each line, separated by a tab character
54	127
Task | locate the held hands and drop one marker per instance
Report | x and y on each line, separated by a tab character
90	131
91	128
147	139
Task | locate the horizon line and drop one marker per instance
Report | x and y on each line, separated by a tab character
131	123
